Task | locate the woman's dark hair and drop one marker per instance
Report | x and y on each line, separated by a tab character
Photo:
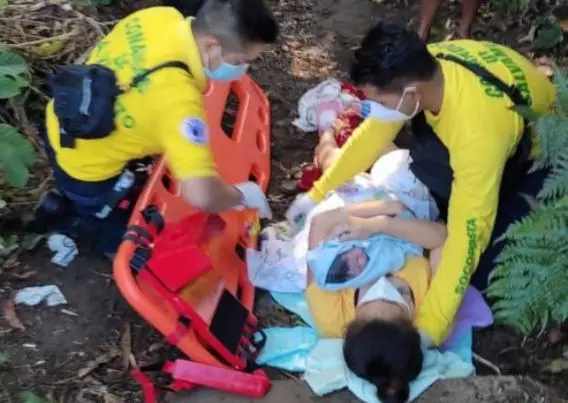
391	56
387	354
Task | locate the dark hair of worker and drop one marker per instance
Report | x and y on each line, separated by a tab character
391	56
249	21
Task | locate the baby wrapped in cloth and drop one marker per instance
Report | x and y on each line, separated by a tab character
283	261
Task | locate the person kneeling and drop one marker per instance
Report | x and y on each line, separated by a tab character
140	95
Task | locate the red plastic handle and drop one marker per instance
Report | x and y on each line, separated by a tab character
255	385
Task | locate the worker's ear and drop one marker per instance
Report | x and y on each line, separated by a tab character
211	45
412	90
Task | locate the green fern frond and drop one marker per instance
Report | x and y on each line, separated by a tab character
551	146
561	83
530	281
545	218
523	251
556	184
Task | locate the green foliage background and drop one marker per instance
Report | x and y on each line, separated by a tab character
530	282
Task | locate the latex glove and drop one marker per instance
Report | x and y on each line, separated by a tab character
299	210
254	198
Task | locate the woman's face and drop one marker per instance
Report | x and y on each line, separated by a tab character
381	309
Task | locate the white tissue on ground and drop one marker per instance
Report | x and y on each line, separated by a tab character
64	248
32	296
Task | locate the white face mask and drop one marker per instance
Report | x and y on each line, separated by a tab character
378	111
384	290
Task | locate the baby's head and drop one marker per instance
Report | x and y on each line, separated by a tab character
347	265
383	347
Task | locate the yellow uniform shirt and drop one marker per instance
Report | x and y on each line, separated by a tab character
163	115
332	311
481	132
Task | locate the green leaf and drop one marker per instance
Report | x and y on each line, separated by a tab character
548	32
21	81
4	358
17	155
31	240
11	64
10	87
30	397
8	245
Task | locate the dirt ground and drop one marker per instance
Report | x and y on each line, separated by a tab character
74	354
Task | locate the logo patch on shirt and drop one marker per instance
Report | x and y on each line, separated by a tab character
194	130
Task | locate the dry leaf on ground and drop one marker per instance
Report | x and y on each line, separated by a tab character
126	345
557	366
110	398
100	360
9	311
25	275
92	365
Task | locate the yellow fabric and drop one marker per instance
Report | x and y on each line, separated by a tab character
333	310
149	118
481	132
416	272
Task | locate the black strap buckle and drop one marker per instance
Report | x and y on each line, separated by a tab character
65	140
251	356
140	258
152	216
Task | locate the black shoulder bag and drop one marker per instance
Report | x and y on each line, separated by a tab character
84	99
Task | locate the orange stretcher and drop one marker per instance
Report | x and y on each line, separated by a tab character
183	270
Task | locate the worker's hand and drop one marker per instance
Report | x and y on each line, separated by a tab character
299	210
253	197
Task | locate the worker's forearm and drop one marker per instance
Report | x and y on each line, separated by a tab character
326	151
428	234
211	194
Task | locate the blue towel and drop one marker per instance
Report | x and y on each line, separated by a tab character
299	349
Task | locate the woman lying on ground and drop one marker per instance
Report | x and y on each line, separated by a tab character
381	343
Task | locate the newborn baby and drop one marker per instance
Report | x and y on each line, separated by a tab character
361	243
281	264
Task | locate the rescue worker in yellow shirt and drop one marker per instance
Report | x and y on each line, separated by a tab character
139	95
471	148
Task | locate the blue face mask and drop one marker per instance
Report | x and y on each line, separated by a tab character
226	71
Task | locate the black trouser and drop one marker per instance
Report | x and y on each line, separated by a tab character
86	200
431	166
